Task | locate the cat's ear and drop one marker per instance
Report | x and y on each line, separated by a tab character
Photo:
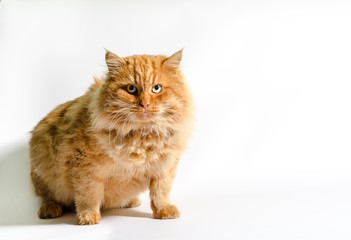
173	61
114	62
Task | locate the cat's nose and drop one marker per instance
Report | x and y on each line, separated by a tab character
144	104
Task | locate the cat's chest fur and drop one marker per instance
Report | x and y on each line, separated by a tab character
140	153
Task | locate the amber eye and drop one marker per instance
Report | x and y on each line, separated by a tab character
131	89
157	89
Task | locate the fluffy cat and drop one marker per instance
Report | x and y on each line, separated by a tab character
123	136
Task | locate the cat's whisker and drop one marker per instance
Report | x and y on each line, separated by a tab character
127	120
169	116
115	121
118	115
102	120
111	127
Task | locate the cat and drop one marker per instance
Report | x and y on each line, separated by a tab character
125	135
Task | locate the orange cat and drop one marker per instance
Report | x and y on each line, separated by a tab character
123	136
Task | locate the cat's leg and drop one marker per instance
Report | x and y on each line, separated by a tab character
49	209
116	202
135	202
121	195
89	193
160	189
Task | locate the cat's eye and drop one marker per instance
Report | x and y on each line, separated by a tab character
131	89
157	88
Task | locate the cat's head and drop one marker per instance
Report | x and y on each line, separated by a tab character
143	90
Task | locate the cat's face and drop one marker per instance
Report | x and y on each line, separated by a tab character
143	89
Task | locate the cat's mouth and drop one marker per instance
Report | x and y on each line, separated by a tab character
145	115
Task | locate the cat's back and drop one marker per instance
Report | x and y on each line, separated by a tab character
48	127
53	130
50	121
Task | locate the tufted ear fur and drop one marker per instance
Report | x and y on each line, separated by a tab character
173	61
114	62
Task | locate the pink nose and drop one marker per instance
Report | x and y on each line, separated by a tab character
144	105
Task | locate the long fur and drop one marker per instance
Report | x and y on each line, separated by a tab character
102	149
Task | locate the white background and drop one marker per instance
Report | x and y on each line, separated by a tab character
270	156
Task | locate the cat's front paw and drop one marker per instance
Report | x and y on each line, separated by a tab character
88	218
169	212
50	209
